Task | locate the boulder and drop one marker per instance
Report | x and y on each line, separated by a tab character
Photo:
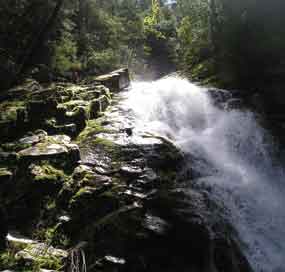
81	171
48	178
56	147
91	93
33	255
78	116
192	234
91	203
34	139
98	105
36	251
116	80
43	151
29	86
17	242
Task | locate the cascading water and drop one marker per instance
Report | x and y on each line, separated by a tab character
233	159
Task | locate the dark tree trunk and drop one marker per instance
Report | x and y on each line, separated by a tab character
213	24
81	26
39	40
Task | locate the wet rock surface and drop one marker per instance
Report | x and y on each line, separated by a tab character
57	108
105	197
116	80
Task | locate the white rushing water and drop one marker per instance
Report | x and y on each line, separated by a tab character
233	158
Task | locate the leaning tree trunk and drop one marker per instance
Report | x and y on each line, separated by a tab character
39	40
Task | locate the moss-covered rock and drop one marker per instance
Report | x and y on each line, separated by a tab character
21	91
78	116
98	105
92	128
37	257
120	199
57	108
47	177
9	110
116	80
54	148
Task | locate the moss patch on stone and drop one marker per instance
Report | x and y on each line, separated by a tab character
92	128
9	109
47	172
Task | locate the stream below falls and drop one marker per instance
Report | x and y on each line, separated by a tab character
232	158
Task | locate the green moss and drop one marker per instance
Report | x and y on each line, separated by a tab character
7	260
47	172
9	109
92	128
52	235
80	193
87	180
48	262
111	149
105	142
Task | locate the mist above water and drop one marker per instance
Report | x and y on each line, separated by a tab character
233	157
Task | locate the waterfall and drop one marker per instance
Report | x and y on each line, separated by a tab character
234	159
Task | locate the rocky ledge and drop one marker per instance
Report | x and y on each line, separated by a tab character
81	188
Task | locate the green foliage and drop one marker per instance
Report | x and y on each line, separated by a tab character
52	235
102	61
153	36
64	58
47	262
154	17
21	22
193	32
159	38
233	41
7	260
88	36
236	42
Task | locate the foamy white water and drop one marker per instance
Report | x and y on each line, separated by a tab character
236	160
